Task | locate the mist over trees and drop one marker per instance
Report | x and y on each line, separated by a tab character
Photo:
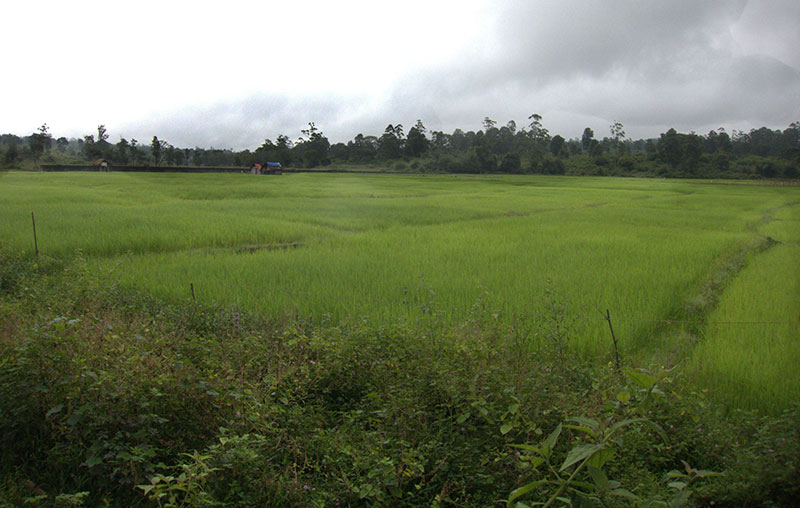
759	153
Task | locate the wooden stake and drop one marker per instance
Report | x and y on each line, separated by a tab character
191	286
607	315
35	241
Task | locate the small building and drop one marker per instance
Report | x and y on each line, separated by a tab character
266	168
101	164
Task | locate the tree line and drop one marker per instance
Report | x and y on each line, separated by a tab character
759	153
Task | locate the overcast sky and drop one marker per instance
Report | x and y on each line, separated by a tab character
230	74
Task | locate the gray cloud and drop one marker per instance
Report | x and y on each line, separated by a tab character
683	64
650	66
242	123
555	40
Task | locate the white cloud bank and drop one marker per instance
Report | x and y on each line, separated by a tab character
231	74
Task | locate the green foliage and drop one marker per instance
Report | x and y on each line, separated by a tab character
185	489
356	370
58	501
759	456
680	482
581	478
313	147
616	442
127	402
345	246
760	153
587	457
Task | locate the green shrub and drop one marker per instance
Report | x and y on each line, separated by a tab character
112	398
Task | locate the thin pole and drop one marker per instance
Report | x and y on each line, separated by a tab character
35	241
614	338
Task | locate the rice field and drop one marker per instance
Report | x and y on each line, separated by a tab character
752	354
411	249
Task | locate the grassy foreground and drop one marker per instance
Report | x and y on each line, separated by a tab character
112	398
118	393
423	251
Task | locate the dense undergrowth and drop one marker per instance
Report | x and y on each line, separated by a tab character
112	398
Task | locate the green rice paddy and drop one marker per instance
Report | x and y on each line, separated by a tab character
415	249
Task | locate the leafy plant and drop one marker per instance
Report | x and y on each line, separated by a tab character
595	444
680	485
185	489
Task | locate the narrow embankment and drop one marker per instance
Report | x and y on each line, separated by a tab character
672	337
751	344
689	317
737	329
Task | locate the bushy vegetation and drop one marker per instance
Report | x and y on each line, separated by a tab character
113	398
439	345
530	149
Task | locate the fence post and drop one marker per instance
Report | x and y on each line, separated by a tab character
607	316
35	241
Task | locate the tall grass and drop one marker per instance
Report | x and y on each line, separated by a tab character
750	358
590	258
416	248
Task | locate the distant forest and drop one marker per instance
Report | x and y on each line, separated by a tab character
531	149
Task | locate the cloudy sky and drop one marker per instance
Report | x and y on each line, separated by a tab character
230	74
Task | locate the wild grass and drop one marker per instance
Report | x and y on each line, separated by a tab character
752	345
589	260
385	340
111	398
429	251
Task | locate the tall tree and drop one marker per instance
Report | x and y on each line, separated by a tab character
669	148
558	146
595	148
102	134
539	139
440	142
90	149
512	126
172	156
459	140
40	142
156	149
390	144
47	138
283	150
618	140
313	146
790	143
122	151
724	141
362	148
416	142
586	139
102	147
61	144
505	141
136	154
537	132
711	143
